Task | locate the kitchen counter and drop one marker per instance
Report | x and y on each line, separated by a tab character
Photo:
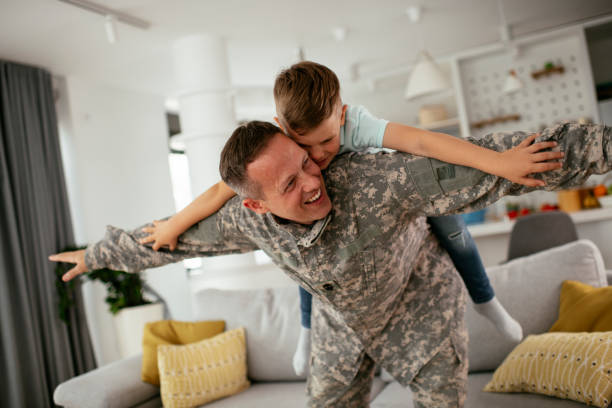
492	238
503	227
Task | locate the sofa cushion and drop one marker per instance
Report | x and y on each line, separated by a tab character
573	366
171	332
396	396
529	288
271	319
117	384
196	373
584	308
477	398
277	394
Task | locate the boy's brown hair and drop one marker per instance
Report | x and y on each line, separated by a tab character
305	95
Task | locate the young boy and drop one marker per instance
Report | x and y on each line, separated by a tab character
310	110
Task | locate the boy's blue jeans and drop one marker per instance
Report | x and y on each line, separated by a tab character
455	238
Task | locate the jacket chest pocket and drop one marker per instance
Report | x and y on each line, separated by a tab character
352	284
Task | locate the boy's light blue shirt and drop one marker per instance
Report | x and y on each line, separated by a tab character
361	130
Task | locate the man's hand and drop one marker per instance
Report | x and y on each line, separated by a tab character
520	161
74	257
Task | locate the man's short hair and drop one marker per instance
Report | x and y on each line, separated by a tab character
242	148
305	95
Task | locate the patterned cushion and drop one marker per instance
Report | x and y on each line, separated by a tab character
171	332
576	366
197	373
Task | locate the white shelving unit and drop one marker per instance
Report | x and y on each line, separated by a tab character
443	124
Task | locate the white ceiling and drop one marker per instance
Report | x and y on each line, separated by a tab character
262	35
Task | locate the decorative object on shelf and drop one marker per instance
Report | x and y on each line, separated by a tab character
600	190
476	217
493	121
426	76
446	125
581	198
569	200
549	69
429	114
589	201
513	83
605	201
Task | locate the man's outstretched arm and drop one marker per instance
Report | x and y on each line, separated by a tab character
122	250
431	187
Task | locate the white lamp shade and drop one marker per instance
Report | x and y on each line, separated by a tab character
513	83
426	78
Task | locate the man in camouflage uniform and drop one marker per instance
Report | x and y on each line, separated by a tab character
385	292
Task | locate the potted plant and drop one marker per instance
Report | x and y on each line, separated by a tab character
125	299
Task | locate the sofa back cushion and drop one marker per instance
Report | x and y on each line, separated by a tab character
271	319
529	289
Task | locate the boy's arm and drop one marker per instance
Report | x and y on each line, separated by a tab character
433	188
165	233
514	164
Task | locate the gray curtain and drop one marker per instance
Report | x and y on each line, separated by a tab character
37	349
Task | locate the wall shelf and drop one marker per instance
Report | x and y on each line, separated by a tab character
493	121
548	72
441	124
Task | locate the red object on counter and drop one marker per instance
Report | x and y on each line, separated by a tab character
549	207
512	214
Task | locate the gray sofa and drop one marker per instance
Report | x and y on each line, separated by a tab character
529	287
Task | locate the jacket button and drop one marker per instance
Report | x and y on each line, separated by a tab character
328	287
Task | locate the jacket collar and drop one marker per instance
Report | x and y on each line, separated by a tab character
303	235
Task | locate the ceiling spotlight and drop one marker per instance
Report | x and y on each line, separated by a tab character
339	33
111	31
414	13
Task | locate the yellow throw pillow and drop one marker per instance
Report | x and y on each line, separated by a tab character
576	366
197	373
172	332
584	308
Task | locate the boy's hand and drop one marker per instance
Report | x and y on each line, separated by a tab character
520	161
75	257
163	233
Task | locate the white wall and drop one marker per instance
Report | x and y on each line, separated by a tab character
116	159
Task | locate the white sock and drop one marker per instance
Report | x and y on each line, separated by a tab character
302	352
505	324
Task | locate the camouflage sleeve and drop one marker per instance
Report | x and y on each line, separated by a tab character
218	234
432	187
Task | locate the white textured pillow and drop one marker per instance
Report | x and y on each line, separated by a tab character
529	288
271	318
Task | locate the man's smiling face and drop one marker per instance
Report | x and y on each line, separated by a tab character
291	184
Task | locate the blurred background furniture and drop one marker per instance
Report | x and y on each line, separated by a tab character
537	232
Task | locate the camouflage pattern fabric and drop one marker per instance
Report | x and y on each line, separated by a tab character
384	289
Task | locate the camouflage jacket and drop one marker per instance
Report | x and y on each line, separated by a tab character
359	260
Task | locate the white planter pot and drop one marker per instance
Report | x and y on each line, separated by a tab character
129	325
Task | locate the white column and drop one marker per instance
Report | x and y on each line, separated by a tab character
207	116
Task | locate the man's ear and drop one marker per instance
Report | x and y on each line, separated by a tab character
279	124
343	117
255	205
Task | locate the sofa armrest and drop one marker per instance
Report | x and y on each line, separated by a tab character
114	385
